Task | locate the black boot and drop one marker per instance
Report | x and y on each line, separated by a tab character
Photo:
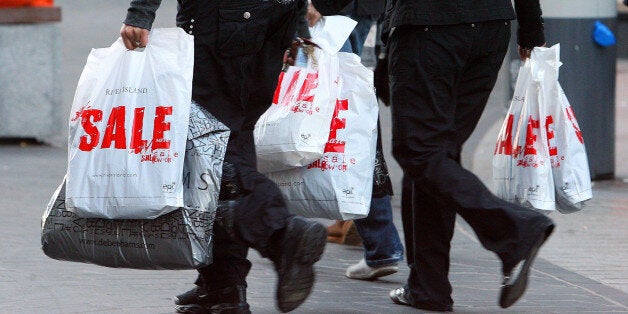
230	300
196	300
298	247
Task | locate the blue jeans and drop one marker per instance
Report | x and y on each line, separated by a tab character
382	245
355	42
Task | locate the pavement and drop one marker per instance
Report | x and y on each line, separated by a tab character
581	269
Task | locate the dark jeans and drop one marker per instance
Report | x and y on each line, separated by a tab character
441	78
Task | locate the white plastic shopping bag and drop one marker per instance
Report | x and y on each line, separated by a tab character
293	131
181	239
128	129
339	184
570	166
522	169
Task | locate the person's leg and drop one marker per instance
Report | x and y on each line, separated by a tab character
360	32
237	90
222	284
345	232
262	222
382	245
426	66
406	218
355	42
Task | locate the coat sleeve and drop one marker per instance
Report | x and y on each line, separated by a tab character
330	7
141	13
530	33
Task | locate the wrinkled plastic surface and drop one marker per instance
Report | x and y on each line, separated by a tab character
128	129
540	159
180	239
521	163
293	131
570	165
340	183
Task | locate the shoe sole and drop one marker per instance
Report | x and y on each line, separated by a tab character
301	275
511	293
190	309
381	272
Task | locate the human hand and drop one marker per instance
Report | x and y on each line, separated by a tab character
134	37
312	15
525	52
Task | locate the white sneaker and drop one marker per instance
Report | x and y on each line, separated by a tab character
362	271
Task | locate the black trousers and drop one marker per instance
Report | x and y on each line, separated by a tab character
441	78
239	49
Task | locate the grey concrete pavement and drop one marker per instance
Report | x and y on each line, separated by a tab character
30	282
582	268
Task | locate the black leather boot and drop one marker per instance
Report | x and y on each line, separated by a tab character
230	300
296	249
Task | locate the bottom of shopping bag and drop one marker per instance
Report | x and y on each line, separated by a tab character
178	240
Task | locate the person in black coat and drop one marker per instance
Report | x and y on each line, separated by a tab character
444	58
443	61
238	54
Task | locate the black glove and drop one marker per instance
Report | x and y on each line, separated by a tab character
382	87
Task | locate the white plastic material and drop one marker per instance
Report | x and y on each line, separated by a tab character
540	159
128	129
340	183
293	131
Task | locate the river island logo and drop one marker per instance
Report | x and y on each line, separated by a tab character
126	90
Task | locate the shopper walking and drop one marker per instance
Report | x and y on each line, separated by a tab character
382	246
444	57
239	48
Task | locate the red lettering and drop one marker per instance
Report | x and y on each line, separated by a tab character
160	127
90	140
137	143
115	129
572	118
334	145
553	150
310	83
504	142
278	89
531	136
287	98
